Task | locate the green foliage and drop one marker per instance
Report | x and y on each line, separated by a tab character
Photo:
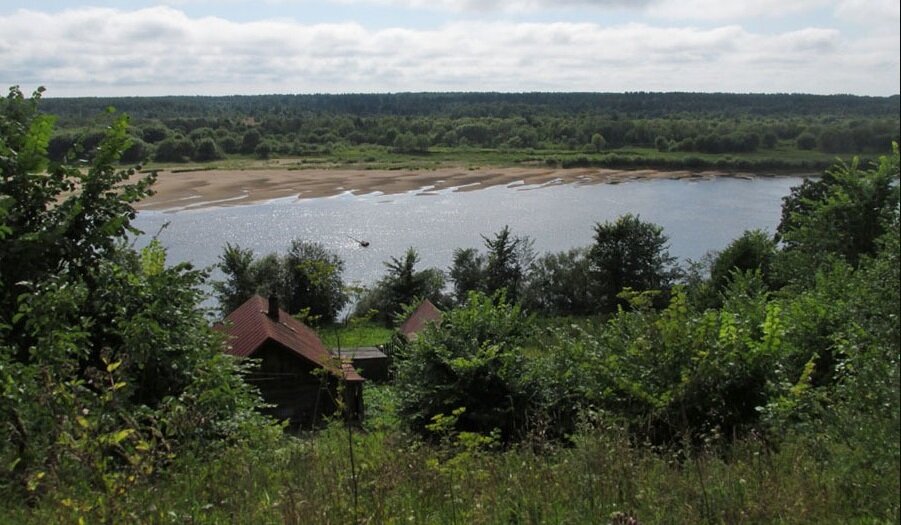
662	144
561	284
467	273
307	279
250	141
64	217
628	253
600	477
473	362
174	149
504	266
262	150
806	141
207	150
108	367
753	251
598	142
316	283
402	286
841	215
240	284
425	129
508	260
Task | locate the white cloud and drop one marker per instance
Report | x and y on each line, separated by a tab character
161	50
504	5
883	14
675	9
730	10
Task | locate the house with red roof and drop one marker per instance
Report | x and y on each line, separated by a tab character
425	313
294	371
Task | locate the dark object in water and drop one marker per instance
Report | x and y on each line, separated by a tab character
364	244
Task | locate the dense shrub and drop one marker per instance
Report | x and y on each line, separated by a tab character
753	251
474	362
207	150
109	368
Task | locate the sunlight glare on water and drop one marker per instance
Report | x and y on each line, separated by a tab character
697	215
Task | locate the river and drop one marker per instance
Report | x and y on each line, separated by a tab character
698	215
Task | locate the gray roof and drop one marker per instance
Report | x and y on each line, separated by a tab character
365	352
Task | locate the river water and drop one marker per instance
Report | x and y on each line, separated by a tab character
698	215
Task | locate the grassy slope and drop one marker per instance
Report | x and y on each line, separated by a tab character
355	335
599	474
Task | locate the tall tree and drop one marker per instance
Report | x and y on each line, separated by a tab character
240	282
308	280
753	251
315	280
628	253
508	260
467	272
401	286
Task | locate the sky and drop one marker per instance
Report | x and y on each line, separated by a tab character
223	47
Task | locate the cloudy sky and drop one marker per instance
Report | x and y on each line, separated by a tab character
211	47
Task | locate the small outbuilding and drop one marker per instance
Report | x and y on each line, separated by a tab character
425	313
369	361
295	372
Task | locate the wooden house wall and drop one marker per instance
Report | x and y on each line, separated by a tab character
299	390
372	368
287	381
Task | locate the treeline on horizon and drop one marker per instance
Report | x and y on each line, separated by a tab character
598	125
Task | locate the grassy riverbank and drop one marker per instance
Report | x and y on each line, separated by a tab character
364	157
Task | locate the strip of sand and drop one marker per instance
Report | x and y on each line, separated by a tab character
194	189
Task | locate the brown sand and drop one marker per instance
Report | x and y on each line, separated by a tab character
195	189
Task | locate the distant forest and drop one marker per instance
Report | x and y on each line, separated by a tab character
201	129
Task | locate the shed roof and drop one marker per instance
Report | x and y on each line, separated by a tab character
424	313
249	327
362	352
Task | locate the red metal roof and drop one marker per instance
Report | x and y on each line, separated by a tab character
424	313
249	327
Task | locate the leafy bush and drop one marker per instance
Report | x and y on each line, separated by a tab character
207	150
109	368
841	215
753	251
474	362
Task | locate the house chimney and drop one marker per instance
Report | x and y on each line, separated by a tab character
273	307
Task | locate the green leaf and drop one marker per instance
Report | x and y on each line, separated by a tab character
121	435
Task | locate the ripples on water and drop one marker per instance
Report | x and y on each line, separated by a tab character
697	215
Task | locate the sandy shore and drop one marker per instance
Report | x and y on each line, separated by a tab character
193	189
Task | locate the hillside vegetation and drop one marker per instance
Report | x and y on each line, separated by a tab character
600	385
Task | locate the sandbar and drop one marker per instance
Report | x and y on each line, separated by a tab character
178	190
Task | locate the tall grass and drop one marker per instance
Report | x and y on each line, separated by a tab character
600	477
